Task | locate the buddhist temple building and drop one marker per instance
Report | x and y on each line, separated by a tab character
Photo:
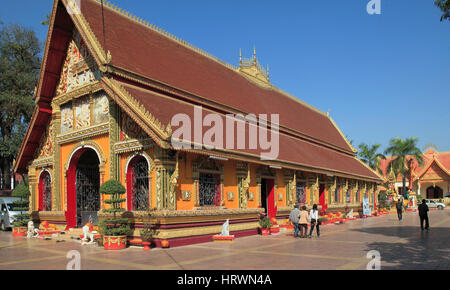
431	180
109	87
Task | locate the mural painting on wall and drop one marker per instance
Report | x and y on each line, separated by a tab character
66	117
131	130
101	108
83	113
78	68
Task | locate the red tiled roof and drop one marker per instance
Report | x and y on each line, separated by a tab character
443	160
292	150
143	51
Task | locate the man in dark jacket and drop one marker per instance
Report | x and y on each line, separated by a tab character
399	208
423	214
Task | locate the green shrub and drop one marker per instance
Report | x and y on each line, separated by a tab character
21	205
265	223
114	226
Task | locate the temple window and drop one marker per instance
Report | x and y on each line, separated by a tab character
45	192
348	196
336	193
301	192
209	189
138	184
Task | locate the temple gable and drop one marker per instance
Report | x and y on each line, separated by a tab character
79	68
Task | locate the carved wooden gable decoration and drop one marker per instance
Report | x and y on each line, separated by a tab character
79	68
131	130
434	173
46	148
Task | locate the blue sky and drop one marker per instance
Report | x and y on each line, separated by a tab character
382	76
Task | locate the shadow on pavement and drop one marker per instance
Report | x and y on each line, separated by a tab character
422	250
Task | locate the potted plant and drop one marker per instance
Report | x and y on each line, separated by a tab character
147	236
22	205
114	230
265	225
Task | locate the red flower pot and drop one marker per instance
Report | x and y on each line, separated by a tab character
114	242
146	246
265	232
19	231
274	230
165	243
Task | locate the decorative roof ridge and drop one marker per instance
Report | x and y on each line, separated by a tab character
428	165
287	131
342	134
369	168
162	32
165	131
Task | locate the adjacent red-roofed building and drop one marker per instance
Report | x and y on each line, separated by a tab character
431	180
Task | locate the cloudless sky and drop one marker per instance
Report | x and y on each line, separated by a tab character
381	76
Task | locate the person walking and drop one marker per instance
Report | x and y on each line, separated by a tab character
399	207
303	222
423	214
314	216
294	217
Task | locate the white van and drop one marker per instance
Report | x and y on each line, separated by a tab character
7	212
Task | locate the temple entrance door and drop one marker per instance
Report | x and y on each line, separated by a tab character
322	200
435	192
83	185
268	196
87	188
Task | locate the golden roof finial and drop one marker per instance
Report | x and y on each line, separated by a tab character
240	57
267	72
254	54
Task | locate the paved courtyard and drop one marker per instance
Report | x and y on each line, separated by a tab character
401	244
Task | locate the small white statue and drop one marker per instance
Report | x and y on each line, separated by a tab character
350	214
32	232
88	236
225	231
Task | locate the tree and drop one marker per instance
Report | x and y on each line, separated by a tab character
444	5
46	22
403	153
19	72
368	154
114	226
21	205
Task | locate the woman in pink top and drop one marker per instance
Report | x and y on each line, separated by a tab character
303	222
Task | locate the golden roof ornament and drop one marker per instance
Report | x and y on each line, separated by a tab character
391	177
253	71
